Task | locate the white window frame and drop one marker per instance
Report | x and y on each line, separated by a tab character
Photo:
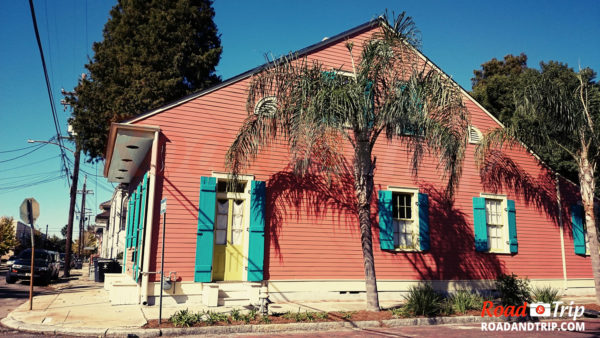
505	231
414	216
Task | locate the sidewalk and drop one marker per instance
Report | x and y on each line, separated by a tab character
81	307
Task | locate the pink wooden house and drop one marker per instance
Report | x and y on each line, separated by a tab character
297	239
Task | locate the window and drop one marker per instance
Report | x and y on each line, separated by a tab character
496	220
404	217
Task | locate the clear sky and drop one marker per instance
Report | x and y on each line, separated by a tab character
457	35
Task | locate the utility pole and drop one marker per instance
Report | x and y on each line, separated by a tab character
73	193
46	239
82	216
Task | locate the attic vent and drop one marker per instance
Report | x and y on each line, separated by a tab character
266	106
474	135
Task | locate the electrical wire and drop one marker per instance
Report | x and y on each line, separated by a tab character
31	164
19	149
29	175
27	185
49	89
27	153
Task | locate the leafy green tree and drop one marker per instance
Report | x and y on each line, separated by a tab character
153	52
56	243
495	82
389	94
561	110
498	84
8	241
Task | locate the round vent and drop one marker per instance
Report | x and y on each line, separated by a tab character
266	106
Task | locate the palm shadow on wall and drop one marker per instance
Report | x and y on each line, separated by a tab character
310	195
452	255
500	173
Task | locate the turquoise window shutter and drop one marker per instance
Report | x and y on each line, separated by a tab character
480	225
512	226
386	223
424	222
205	232
129	221
577	225
256	247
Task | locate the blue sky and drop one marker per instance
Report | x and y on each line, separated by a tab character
457	35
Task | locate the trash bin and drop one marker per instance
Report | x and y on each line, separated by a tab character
102	266
116	267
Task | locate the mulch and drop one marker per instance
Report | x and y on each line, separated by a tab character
331	317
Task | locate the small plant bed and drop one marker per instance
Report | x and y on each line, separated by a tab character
421	301
186	318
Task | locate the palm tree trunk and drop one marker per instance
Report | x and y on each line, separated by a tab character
363	185
587	188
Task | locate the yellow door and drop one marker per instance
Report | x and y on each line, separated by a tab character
228	259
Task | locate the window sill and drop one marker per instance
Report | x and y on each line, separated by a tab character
498	252
406	250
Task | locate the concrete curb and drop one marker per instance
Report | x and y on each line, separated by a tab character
233	329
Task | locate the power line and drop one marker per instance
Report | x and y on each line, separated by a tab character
30	175
49	89
19	149
21	156
30	164
27	185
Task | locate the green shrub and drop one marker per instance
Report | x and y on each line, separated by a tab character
322	315
462	300
250	316
546	294
513	291
347	314
236	315
398	312
185	318
422	300
215	317
265	319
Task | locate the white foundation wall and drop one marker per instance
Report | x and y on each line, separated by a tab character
341	290
350	290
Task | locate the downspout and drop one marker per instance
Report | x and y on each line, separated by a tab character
150	220
562	235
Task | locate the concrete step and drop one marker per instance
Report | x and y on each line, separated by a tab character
233	302
239	294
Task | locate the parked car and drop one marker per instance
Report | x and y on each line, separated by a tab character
47	267
10	261
62	260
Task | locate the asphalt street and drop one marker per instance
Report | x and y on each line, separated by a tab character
13	295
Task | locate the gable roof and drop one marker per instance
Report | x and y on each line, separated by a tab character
302	52
326	42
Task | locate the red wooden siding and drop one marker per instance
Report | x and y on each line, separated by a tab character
312	232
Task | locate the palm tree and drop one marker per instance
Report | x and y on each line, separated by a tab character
561	111
391	91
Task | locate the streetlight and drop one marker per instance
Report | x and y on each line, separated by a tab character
50	142
73	196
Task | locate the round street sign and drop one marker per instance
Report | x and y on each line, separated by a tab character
35	210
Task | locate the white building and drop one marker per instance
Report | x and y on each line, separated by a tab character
112	222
